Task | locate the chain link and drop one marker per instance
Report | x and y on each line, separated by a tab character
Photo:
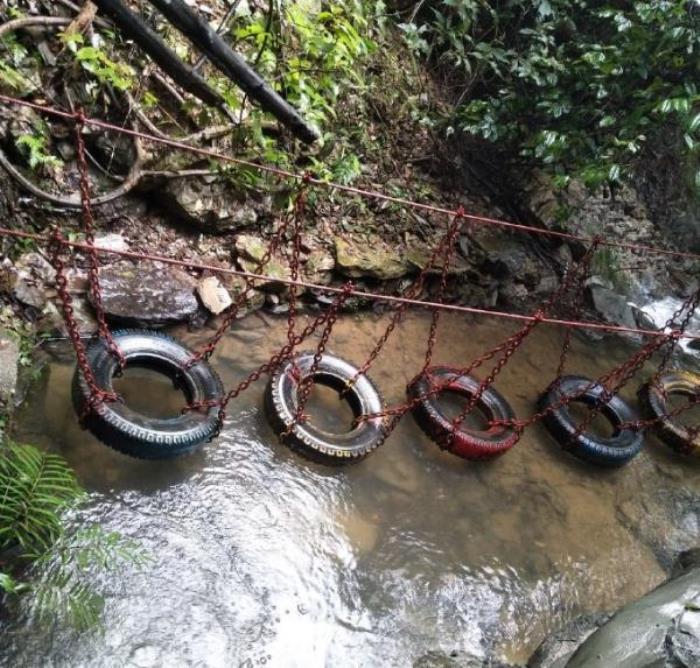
57	243
207	350
297	216
89	230
448	254
275	360
441	250
307	380
611	382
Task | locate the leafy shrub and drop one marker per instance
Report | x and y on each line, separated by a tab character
578	87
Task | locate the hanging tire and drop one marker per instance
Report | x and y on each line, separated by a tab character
654	401
132	433
616	450
281	401
467	443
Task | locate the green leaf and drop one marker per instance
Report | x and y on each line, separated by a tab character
34	488
694	123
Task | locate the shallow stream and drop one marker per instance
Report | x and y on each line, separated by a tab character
263	558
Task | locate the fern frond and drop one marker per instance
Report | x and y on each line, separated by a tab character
59	596
35	487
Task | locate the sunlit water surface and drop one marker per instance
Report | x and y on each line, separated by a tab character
260	557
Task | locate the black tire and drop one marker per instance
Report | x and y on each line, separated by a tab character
131	433
617	450
654	401
304	437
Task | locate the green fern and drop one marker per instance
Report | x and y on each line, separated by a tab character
57	595
38	154
59	591
34	488
9	585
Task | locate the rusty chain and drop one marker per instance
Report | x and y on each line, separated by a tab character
305	382
89	230
573	277
508	348
611	382
207	350
448	254
97	395
275	360
439	251
297	215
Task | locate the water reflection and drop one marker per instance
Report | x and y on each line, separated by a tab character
262	558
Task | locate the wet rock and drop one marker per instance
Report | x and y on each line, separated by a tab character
214	295
147	294
556	650
214	206
319	265
9	361
683	642
52	319
643	320
660	629
612	306
440	659
419	256
372	258
251	250
34	280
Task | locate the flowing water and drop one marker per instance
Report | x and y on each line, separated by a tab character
260	557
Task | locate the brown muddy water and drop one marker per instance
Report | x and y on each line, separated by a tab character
263	558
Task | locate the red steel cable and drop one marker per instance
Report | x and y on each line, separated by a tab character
578	324
370	194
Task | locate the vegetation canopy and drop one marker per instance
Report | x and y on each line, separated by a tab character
577	87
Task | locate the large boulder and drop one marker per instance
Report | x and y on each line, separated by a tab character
662	629
147	294
665	518
213	205
557	649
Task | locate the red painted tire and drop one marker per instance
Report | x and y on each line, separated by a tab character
466	443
